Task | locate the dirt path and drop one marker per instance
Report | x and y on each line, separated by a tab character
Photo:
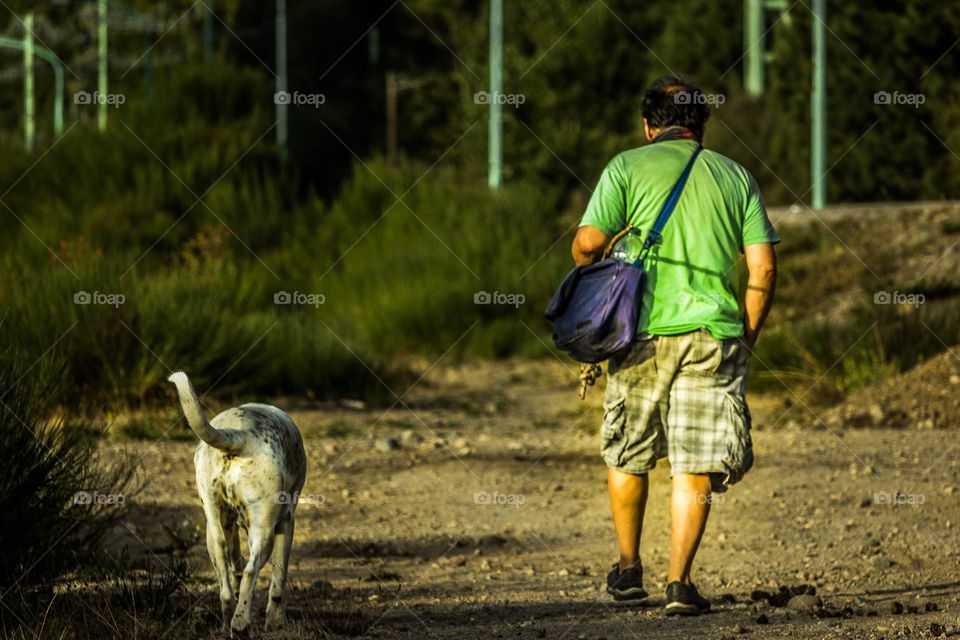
477	509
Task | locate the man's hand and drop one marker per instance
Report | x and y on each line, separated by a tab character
761	282
588	245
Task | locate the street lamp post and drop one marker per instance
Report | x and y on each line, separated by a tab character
818	107
102	64
495	150
29	100
282	105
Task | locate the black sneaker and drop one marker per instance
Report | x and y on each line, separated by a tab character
684	600
627	585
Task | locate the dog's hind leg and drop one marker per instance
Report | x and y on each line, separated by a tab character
219	549
236	558
277	606
260	537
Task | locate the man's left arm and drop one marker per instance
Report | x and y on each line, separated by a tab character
758	240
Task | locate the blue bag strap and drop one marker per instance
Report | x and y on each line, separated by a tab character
654	237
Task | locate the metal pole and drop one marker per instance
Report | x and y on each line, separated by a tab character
496	88
373	46
58	100
29	104
102	64
207	33
148	70
392	90
282	105
23	45
754	47
818	107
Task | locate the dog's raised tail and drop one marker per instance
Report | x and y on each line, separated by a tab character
190	403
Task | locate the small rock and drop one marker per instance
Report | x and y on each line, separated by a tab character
803	603
740	629
411	437
386	445
931	606
762	619
896	608
324	588
492	540
758	594
937	630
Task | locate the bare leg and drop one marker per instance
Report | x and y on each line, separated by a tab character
628	500
689	508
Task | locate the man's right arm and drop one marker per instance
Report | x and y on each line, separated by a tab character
761	282
604	217
588	245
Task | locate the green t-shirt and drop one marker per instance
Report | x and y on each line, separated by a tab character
694	278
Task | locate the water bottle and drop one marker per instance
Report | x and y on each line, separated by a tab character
627	249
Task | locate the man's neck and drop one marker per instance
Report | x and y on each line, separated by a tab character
673	133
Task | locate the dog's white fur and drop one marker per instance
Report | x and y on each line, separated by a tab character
251	466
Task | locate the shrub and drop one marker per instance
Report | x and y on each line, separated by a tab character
51	485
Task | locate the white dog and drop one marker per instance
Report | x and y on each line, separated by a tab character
251	467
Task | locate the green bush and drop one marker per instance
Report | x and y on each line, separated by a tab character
52	484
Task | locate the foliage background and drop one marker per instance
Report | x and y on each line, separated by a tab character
182	206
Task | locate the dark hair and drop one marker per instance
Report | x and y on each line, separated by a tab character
675	101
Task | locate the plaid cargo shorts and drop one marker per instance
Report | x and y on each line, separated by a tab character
680	397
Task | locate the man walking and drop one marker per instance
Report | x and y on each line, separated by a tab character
678	392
